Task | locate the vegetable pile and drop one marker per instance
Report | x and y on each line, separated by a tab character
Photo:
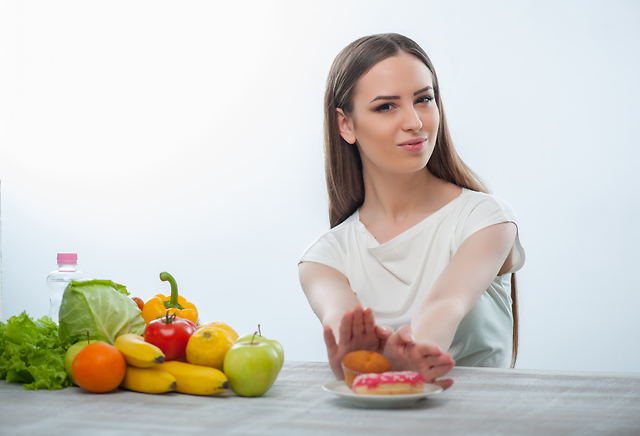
33	352
103	343
100	307
30	353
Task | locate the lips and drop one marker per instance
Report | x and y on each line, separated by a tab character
413	145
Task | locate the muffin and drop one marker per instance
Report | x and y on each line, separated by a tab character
363	362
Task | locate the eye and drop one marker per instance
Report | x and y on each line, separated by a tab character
384	107
424	99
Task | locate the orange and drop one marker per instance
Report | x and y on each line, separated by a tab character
223	326
208	346
98	367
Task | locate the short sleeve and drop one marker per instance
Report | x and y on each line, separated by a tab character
325	250
486	211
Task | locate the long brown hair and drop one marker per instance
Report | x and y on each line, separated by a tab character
343	166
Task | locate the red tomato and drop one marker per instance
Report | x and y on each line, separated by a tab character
170	334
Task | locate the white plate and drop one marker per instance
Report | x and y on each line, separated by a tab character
340	388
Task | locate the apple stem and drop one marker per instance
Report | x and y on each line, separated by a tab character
88	340
259	332
254	337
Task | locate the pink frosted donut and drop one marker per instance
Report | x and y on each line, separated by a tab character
389	383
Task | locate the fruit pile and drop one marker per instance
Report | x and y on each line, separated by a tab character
175	355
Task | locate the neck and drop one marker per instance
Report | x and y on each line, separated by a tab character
395	197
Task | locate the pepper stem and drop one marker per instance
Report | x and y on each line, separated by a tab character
173	302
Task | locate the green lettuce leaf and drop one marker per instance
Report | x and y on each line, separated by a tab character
99	307
31	353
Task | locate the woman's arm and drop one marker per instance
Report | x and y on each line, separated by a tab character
341	314
474	266
328	292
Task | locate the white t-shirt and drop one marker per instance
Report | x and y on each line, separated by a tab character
393	278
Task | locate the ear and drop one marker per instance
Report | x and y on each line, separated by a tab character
345	126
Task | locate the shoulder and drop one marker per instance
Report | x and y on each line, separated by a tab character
339	233
480	206
478	211
331	247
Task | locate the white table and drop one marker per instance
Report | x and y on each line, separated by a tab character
483	401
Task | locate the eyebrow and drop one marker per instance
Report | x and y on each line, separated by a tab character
397	97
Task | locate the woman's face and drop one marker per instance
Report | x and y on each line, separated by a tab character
395	119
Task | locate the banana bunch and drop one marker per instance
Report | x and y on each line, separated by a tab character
196	379
137	352
148	380
147	371
142	359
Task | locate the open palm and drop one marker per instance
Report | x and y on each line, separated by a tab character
357	332
421	357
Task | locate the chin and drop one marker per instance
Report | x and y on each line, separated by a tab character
410	168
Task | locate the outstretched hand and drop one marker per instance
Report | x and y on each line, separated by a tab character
407	355
358	331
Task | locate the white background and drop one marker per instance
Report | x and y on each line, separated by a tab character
187	137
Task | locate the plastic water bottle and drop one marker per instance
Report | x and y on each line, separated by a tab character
58	280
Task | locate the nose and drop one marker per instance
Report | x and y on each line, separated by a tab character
411	121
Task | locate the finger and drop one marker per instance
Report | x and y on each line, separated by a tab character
441	359
406	334
369	322
430	361
357	329
396	340
440	371
346	326
428	349
444	383
330	341
384	333
396	347
445	358
369	312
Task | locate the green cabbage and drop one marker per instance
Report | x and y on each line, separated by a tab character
30	353
99	307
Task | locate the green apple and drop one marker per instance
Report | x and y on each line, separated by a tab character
71	354
251	367
275	344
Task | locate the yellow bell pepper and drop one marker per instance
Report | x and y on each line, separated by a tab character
158	306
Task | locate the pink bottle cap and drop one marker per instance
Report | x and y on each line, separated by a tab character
67	258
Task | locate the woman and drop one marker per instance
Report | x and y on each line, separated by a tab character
415	236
